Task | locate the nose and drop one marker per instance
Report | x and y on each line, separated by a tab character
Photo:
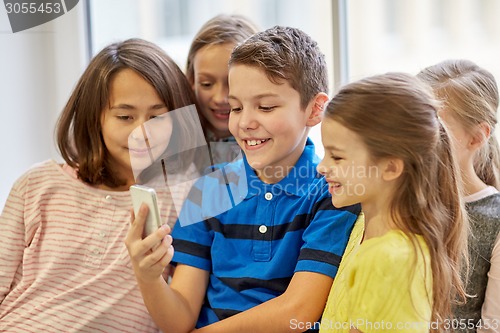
140	133
221	93
247	120
143	128
322	168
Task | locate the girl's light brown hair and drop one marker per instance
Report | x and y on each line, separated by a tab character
395	115
221	29
78	129
471	93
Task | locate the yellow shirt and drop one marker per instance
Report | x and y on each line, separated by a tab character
380	286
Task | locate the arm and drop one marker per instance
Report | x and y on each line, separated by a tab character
490	316
301	304
12	242
174	308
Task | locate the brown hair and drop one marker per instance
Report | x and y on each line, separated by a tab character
78	129
220	29
471	93
395	115
286	54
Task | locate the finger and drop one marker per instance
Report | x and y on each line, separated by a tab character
154	256
155	239
167	240
167	227
137	226
163	248
167	257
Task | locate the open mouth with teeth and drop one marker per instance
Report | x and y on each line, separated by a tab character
253	143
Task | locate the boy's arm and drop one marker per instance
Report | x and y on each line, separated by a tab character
174	308
303	302
296	310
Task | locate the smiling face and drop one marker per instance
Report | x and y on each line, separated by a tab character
267	121
211	85
351	174
135	109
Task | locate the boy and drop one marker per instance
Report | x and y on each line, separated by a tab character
267	264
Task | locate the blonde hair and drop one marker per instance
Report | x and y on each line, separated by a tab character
471	93
395	115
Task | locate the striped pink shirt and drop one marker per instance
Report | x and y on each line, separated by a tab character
63	264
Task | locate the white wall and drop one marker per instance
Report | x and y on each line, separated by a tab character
38	69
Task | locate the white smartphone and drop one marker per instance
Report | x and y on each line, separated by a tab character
143	194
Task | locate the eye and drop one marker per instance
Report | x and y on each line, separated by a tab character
336	158
158	117
236	109
206	84
122	117
267	108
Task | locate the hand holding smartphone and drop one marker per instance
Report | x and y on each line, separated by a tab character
143	194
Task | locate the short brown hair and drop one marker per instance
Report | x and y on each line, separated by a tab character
286	54
79	129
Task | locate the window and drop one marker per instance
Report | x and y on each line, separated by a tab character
408	35
379	35
172	24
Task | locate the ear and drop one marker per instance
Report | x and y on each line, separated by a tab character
480	135
392	168
317	106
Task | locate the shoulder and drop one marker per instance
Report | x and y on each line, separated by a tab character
220	188
40	172
394	251
486	201
487	210
221	173
42	167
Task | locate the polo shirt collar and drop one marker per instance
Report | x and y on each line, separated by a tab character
298	180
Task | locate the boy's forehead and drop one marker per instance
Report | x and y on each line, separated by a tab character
247	79
239	69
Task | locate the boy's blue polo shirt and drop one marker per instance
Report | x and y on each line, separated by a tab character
253	249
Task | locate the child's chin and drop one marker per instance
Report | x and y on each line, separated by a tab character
256	164
339	203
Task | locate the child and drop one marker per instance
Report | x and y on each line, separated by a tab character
267	264
63	266
470	97
207	70
386	149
